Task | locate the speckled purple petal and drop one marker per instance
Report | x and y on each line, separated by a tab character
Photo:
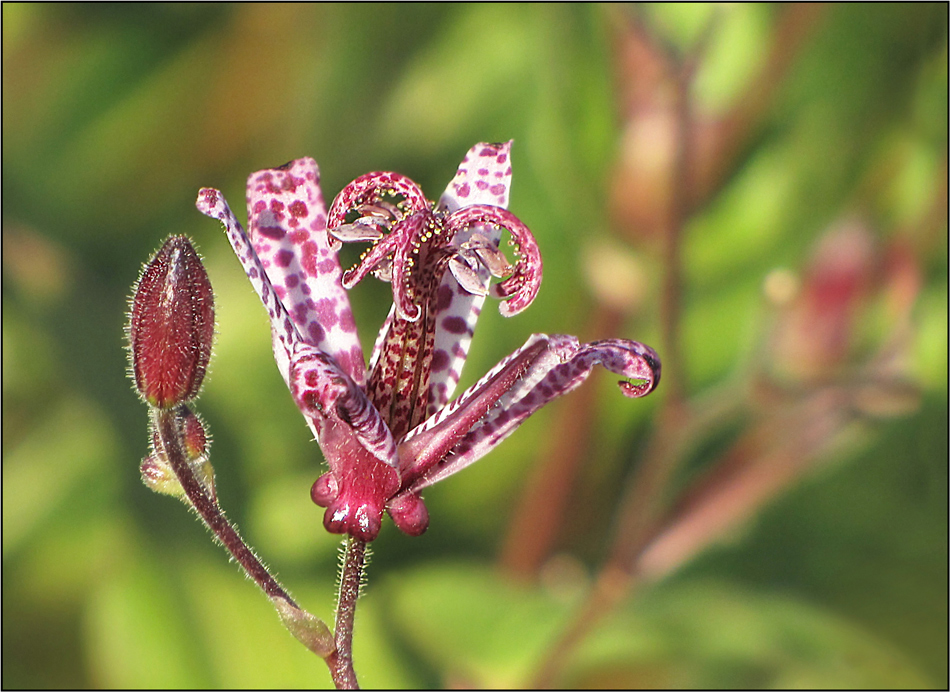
483	177
285	336
287	226
557	365
519	289
369	189
324	392
430	442
381	339
399	244
354	439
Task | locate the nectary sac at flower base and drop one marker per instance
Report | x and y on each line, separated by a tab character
390	430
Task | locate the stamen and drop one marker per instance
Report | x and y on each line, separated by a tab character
495	261
381	209
356	232
384	270
521	287
467	277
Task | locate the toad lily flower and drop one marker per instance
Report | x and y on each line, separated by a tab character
389	432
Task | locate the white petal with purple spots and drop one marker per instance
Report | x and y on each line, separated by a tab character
287	226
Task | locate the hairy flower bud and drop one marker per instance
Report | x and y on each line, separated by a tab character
194	437
156	470
194	440
171	325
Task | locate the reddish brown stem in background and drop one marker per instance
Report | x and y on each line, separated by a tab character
642	498
541	512
758	467
670	296
653	539
691	184
611	586
725	140
645	493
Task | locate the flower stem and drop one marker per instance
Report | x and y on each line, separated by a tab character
307	629
210	512
351	575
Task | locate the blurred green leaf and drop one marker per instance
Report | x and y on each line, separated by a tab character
722	635
73	444
477	64
234	622
137	633
472	622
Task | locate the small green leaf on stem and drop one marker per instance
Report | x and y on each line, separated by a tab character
157	474
308	629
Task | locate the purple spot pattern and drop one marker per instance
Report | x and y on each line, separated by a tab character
323	391
417	359
489	164
287	228
454	324
357	444
433	313
284	334
561	366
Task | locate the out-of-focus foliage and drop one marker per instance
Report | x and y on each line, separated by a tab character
115	115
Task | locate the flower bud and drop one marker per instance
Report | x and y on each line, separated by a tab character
171	325
194	437
157	472
194	440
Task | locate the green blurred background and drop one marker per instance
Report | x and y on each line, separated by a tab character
114	115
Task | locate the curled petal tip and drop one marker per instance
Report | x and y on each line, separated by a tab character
408	310
371	188
519	290
635	361
633	390
521	297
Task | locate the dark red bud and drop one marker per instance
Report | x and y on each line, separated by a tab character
194	437
171	325
157	472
